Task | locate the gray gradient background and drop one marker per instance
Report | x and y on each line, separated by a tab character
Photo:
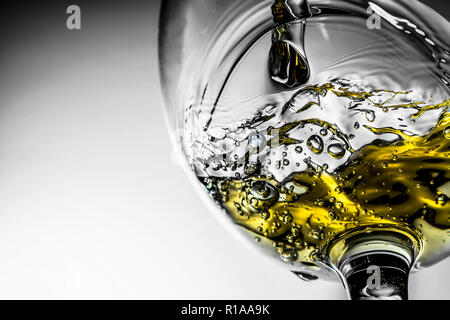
91	203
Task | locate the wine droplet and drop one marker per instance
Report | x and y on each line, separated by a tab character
288	64
370	115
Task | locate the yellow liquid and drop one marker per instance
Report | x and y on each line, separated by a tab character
402	186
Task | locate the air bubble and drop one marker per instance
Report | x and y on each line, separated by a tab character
222	185
215	164
265	215
316	234
441	199
288	255
287	218
262	196
315	143
332	215
447	132
296	231
370	115
336	151
305	276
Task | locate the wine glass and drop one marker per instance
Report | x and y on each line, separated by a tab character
318	130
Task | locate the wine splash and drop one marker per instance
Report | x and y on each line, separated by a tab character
346	130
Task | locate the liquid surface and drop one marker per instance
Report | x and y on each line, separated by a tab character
324	127
403	184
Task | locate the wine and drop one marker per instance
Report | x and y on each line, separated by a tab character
319	128
402	186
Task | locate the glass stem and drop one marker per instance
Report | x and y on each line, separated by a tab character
376	276
375	264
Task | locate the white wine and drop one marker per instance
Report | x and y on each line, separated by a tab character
320	128
402	186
